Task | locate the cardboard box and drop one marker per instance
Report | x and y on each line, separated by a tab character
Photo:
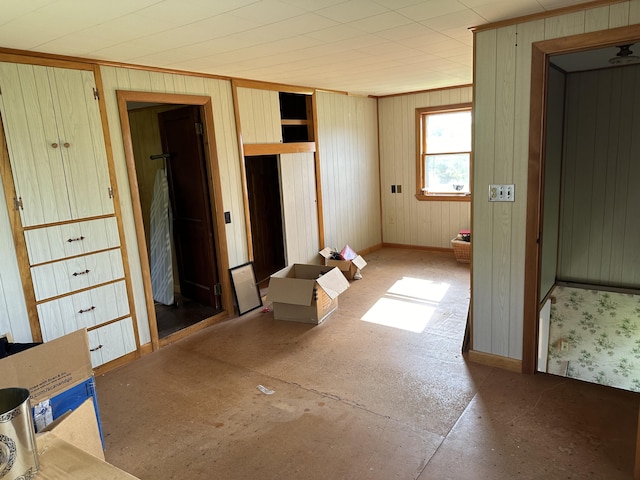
79	427
348	267
58	375
62	460
306	293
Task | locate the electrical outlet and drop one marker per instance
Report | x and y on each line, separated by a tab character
501	193
393	189
398	188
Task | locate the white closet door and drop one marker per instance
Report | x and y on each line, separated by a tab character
28	118
299	205
259	115
81	142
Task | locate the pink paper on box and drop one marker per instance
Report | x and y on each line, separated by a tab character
348	253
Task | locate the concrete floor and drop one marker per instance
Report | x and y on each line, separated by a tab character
360	400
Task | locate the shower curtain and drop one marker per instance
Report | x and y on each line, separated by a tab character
161	261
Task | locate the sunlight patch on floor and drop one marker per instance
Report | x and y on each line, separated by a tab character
408	305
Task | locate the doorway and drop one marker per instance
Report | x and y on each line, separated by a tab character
171	174
538	145
265	213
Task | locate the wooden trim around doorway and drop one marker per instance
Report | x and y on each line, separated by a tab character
215	192
540	54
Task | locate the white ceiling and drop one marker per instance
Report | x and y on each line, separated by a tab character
373	47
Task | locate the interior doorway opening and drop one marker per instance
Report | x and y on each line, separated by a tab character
178	226
175	194
265	213
541	261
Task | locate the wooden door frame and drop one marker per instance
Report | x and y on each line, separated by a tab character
215	194
277	149
535	183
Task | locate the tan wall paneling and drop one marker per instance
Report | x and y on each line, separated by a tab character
565	25
14	317
526	35
348	146
619	15
259	115
600	225
115	78
300	214
501	113
503	214
634	12
406	220
596	19
483	154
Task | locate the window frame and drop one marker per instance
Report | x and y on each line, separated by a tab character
421	114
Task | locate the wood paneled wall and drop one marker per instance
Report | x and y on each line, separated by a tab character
348	149
13	310
406	220
228	158
600	224
501	132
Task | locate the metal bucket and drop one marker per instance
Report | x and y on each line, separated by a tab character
18	453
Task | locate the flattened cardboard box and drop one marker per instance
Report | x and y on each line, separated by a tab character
58	375
347	267
50	368
306	293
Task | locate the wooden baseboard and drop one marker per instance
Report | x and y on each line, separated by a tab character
367	251
113	364
417	247
146	349
491	360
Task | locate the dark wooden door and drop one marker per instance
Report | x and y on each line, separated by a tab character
265	211
181	135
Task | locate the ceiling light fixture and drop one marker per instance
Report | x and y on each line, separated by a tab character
624	56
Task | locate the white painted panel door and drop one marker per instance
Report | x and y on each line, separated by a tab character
299	205
111	341
29	123
54	135
81	142
260	120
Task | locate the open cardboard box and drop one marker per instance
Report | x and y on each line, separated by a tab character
348	267
58	375
306	293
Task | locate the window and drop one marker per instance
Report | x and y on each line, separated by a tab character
443	152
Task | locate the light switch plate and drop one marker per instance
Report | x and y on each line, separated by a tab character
502	193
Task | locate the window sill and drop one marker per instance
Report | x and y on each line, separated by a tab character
444	197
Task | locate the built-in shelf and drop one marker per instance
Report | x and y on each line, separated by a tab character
296	117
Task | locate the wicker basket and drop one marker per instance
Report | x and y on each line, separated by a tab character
462	250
